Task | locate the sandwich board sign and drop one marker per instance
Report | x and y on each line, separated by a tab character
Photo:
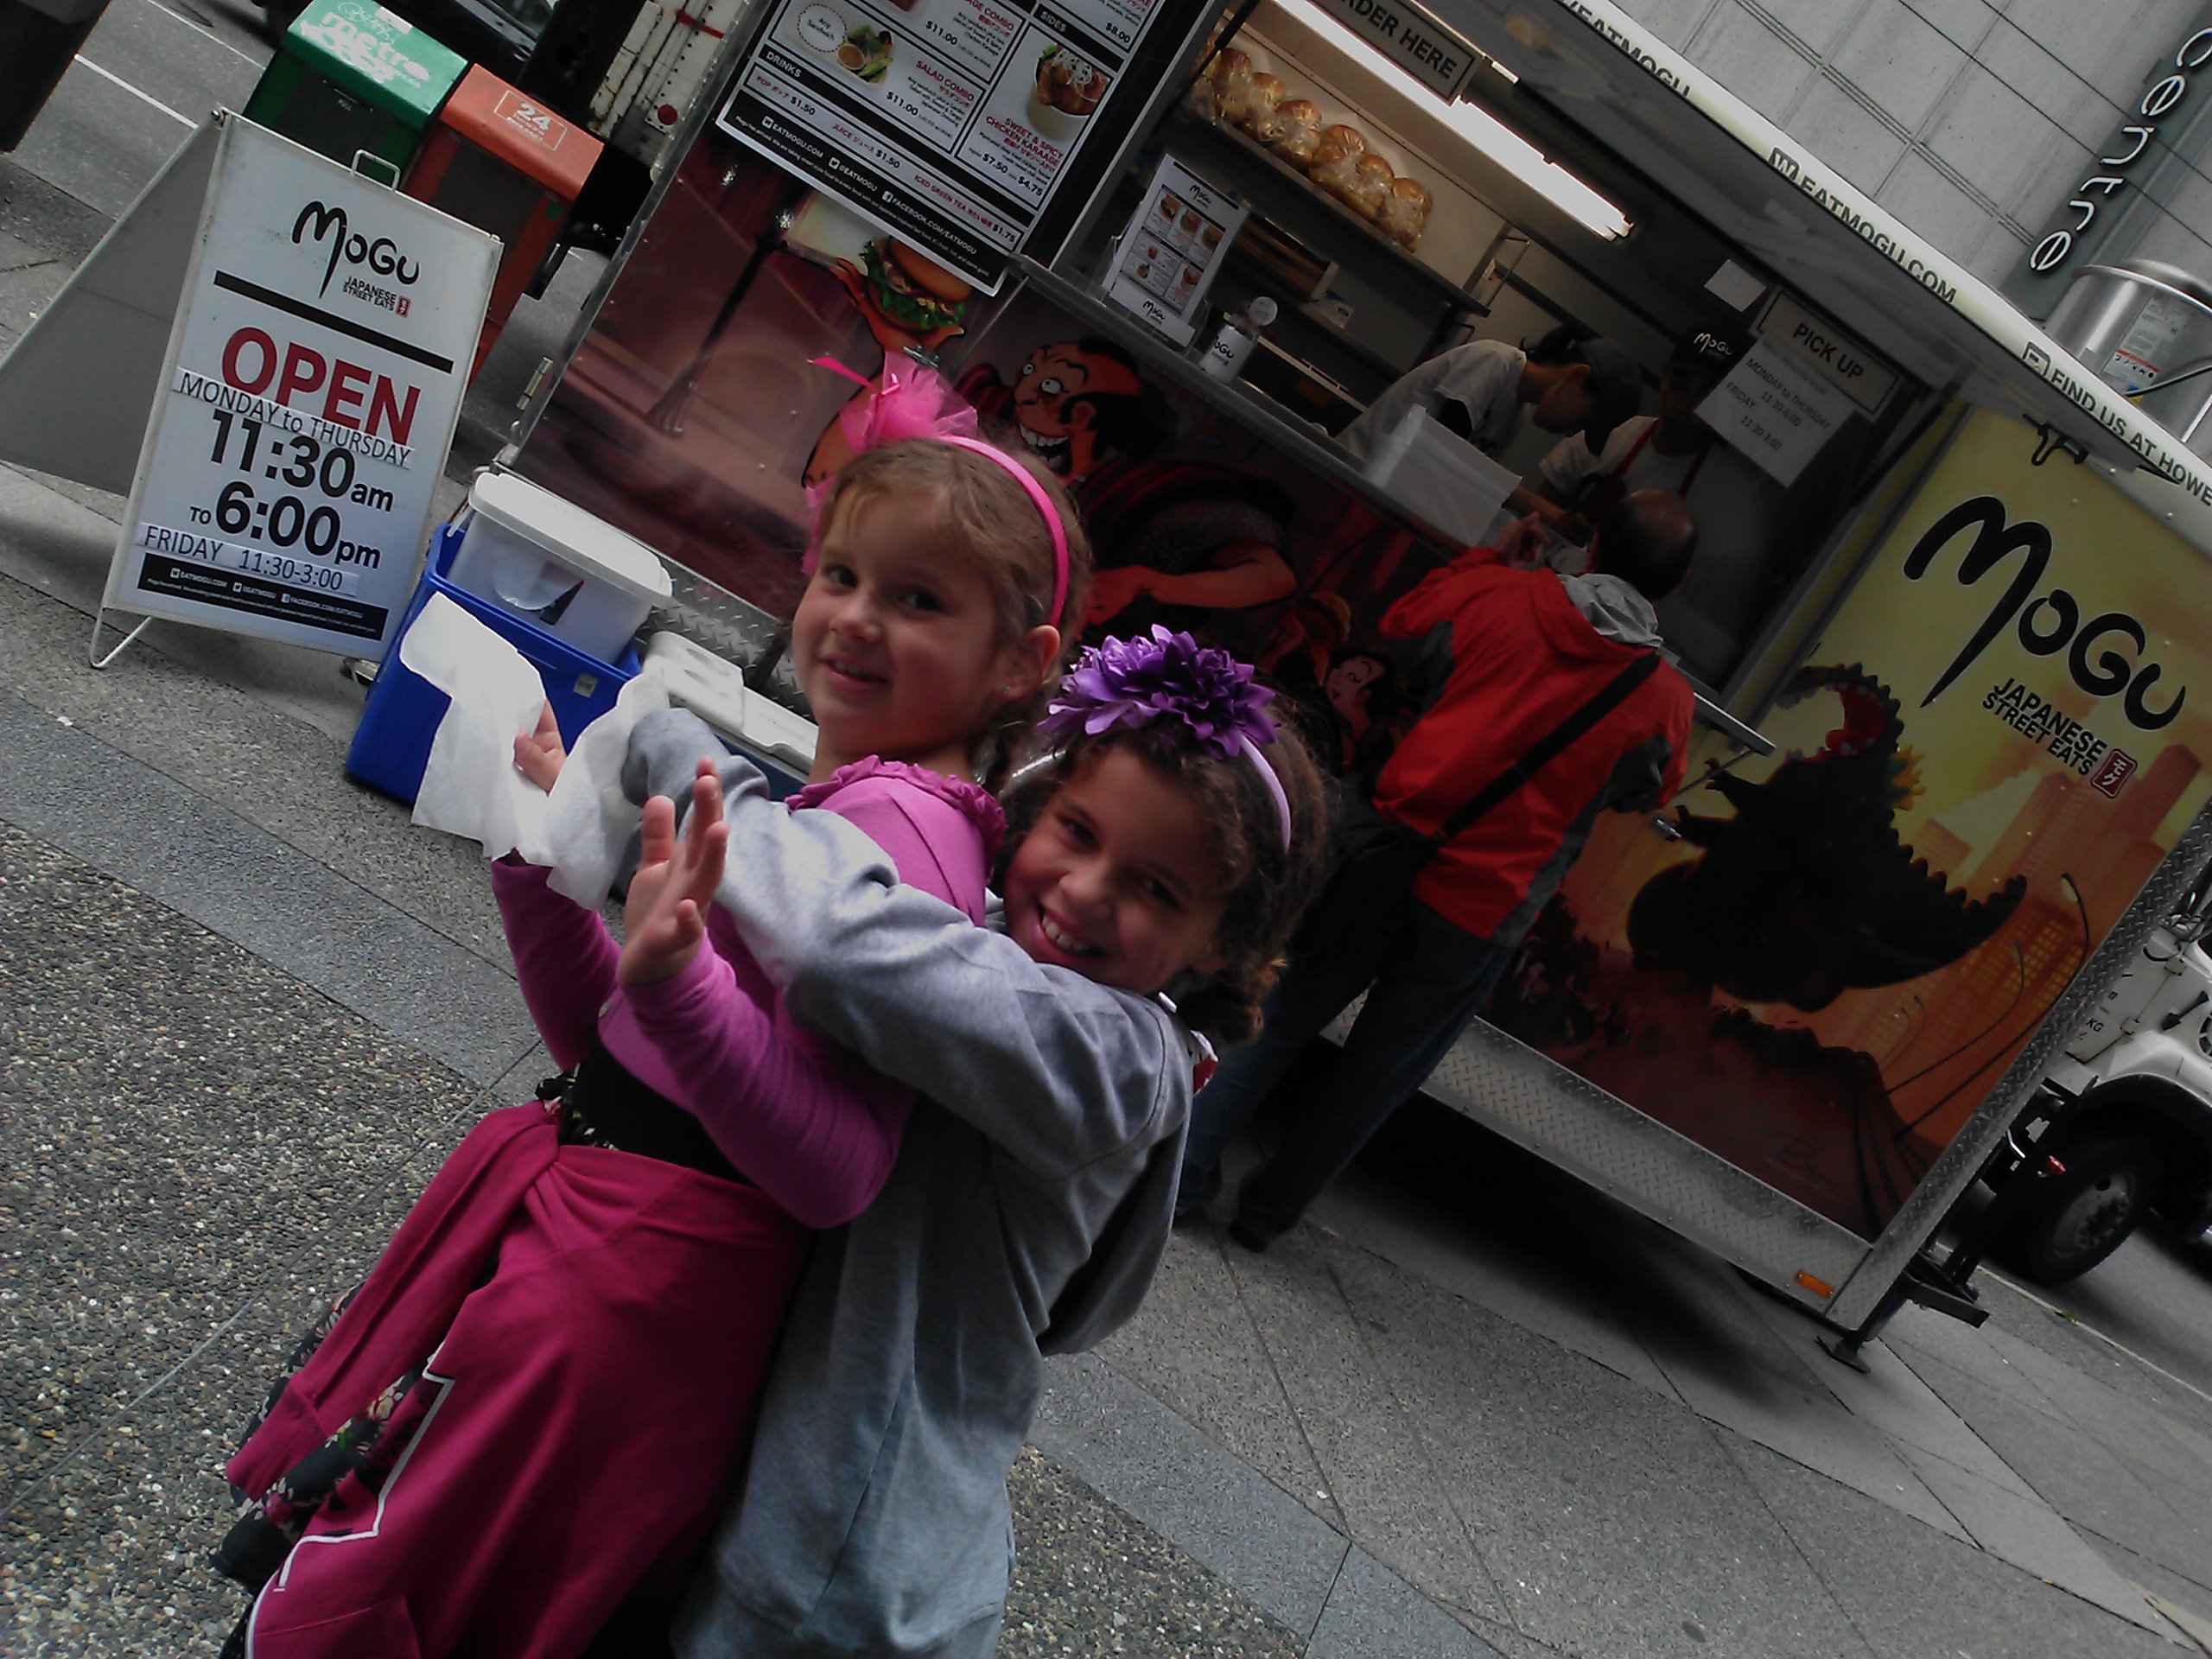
292	339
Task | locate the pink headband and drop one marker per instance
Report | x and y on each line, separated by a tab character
914	407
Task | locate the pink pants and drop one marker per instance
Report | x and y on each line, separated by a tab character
588	1406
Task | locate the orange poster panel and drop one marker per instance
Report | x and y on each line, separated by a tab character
1994	742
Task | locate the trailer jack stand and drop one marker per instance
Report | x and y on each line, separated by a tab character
1926	1281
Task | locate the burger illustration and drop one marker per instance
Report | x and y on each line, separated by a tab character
907	295
1067	90
867	52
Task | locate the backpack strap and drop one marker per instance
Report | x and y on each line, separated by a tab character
1540	754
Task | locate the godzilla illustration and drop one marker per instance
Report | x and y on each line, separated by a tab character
1808	891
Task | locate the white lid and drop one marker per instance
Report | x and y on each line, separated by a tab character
698	680
713	689
588	545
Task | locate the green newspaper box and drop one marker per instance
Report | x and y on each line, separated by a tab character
352	76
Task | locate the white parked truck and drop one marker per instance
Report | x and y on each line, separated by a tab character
2121	1126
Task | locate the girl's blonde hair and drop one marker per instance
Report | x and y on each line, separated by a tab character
987	514
1265	883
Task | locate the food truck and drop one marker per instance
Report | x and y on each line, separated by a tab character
1947	768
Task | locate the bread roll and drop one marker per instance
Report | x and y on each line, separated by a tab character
1231	77
1335	166
1404	212
1299	130
1370	183
1261	116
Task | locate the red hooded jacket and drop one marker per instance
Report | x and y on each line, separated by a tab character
1523	660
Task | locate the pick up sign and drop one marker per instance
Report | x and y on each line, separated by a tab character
1838	359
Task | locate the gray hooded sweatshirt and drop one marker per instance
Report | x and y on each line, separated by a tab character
1026	1215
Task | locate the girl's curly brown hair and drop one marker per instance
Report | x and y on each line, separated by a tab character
1265	883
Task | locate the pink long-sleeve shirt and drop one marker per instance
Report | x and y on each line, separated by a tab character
809	1123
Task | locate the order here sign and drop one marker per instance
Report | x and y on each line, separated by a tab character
312	385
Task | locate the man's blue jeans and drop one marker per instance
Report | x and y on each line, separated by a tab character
1429	979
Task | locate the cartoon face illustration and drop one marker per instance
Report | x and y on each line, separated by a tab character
1347	688
1056	403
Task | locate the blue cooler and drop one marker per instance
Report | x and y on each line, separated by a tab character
391	745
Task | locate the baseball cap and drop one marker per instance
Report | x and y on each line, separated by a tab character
1616	388
1705	351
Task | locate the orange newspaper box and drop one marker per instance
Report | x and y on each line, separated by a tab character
500	160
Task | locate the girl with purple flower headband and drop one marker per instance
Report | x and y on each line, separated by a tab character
1156	863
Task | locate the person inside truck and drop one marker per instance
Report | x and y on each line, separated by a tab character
1556	705
1478	390
1736	508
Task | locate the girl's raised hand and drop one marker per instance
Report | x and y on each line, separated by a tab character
663	919
539	756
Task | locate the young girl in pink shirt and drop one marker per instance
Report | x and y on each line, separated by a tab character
522	1425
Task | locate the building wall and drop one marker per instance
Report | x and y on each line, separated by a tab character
1971	120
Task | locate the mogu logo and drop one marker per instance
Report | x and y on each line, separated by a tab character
381	255
2103	653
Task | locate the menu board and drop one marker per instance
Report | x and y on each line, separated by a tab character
951	122
1174	244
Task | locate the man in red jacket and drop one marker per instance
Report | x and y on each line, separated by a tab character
1530	649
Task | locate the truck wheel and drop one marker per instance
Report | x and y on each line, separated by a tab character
2076	1220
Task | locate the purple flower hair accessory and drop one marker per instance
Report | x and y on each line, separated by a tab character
1168	680
1147	680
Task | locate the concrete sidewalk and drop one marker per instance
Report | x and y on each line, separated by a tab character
1472	1408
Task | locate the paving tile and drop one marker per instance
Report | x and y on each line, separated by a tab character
2028	1534
1888	1396
217	741
1372	1611
1611	1520
1194	1348
1751	1368
2088	1484
205	861
1139	1455
106	1553
2189	1592
185	1118
1088	1579
1460	1207
1369	1448
1506	1641
1910	1592
2128	1427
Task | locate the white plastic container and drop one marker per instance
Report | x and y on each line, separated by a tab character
1441	477
715	690
579	578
